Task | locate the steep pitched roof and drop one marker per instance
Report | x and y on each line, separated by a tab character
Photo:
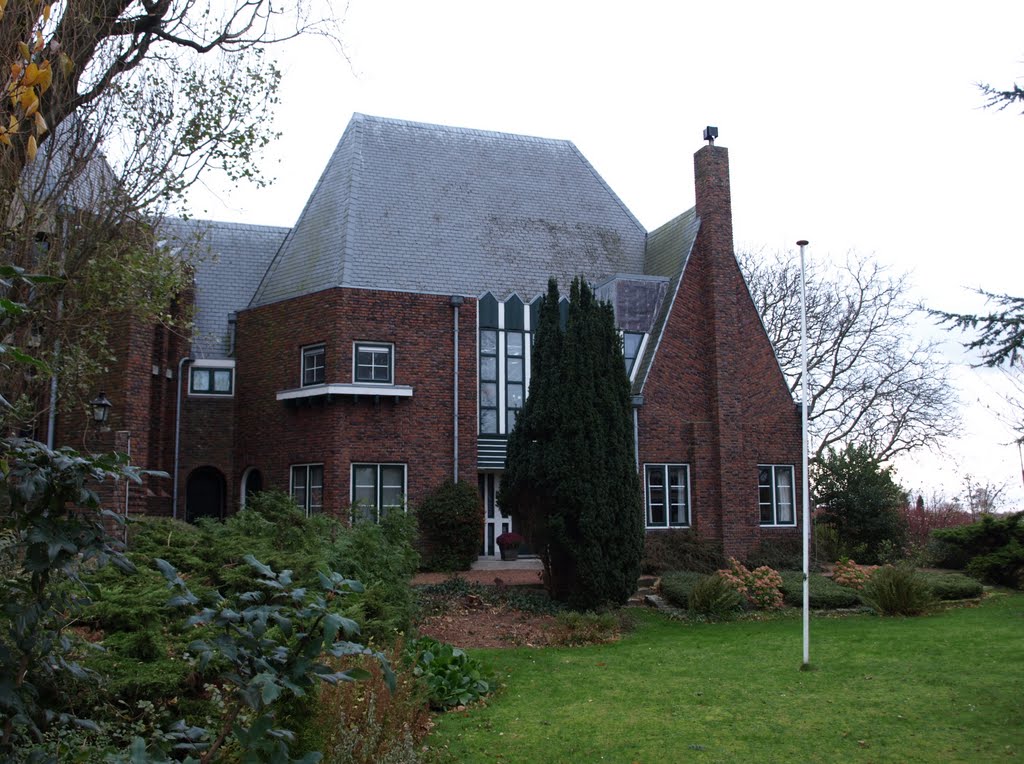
229	261
412	207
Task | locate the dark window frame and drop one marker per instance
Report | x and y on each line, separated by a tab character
375	348
770	495
666	469
303	490
314	373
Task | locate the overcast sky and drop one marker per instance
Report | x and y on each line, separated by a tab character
855	126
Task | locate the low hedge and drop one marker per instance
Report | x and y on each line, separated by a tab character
676	587
952	586
824	594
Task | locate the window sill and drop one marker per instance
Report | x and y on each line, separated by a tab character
339	388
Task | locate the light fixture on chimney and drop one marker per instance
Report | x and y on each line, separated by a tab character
710	133
100	406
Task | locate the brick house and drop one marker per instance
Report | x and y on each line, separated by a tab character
382	344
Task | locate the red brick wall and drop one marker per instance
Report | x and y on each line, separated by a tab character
417	431
715	397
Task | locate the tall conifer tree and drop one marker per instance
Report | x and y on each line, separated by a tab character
571	477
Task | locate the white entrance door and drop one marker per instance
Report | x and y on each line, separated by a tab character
495	523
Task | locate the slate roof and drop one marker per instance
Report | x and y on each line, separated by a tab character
423	208
229	260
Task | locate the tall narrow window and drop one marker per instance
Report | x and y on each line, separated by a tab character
667	495
514	378
488	381
313	360
775	494
307	487
631	342
376	490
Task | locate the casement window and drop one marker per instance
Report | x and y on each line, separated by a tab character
211	380
776	495
376	490
667	495
515	378
373	362
307	487
313	365
631	342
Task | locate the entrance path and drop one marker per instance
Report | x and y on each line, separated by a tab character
524	572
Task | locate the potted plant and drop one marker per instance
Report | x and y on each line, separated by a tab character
509	543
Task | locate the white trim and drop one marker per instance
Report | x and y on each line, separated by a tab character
215	363
377	485
291	484
389	346
343	388
775	498
668	503
302	362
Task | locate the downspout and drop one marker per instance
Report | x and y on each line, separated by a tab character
127	489
51	424
177	438
637	401
455	301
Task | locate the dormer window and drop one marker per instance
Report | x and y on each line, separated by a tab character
374	363
313	365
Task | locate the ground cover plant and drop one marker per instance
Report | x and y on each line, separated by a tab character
881	691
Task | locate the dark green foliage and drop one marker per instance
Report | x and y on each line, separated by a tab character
451	523
823	593
677	585
452	677
714	597
571	477
1000	332
897	590
952	586
861	500
677	549
991	549
783	553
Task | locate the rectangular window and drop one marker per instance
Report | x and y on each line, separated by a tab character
204	380
631	342
514	378
488	381
307	487
313	365
775	494
373	363
667	495
376	490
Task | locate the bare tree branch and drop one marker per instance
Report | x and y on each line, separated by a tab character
870	381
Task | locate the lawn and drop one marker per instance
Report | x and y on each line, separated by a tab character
941	688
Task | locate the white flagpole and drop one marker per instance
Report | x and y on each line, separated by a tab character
806	480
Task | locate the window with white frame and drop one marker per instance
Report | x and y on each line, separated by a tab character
667	495
307	487
211	380
376	490
313	364
775	494
631	342
373	362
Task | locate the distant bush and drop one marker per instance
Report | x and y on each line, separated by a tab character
714	597
451	523
824	593
848	573
897	590
921	521
991	549
782	553
952	586
679	549
676	587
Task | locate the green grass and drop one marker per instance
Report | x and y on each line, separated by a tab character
939	688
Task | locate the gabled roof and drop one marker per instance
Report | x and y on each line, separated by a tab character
423	208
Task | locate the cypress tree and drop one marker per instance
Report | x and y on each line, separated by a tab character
571	476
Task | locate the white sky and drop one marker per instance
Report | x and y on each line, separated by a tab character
856	126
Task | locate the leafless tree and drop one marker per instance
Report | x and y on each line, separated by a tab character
870	380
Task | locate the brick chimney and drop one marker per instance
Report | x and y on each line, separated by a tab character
714	200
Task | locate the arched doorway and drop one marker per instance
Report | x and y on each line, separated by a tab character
252	483
204	494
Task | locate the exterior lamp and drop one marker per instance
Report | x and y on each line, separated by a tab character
100	406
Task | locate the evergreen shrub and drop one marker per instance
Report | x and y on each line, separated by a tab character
991	549
897	590
952	586
780	553
677	585
714	597
679	549
451	524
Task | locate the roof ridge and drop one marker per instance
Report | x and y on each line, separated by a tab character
462	130
609	189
